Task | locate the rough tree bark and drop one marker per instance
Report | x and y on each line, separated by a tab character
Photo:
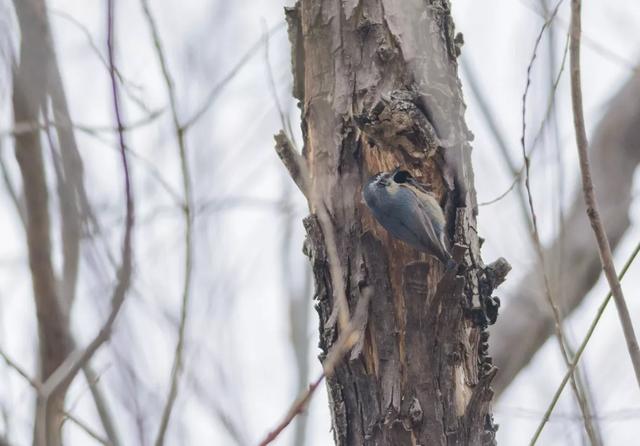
378	87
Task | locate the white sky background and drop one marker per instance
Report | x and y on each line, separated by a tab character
238	352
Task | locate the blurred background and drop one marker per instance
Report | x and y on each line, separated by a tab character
250	331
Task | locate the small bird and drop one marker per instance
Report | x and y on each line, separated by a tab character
409	212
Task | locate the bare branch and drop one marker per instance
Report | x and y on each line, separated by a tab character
352	333
293	161
29	97
581	349
297	167
607	53
64	374
101	404
37	386
217	89
176	369
11	190
23	127
613	148
85	427
126	84
557	316
517	177
593	213
297	408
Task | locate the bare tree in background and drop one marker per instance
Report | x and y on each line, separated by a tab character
406	359
378	87
32	87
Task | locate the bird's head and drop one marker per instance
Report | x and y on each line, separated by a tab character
396	176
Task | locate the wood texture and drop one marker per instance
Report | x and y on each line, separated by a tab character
378	87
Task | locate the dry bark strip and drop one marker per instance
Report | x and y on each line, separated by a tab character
378	87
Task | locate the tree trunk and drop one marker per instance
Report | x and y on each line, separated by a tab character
29	97
378	87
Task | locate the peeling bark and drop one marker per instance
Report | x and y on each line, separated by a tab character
378	87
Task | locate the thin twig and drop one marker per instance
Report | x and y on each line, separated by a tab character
351	329
13	194
101	405
126	85
176	369
284	122
297	408
347	339
297	167
592	43
85	427
38	387
488	116
217	89
552	94
534	55
24	127
606	258
580	351
516	179
534	145
557	316
63	375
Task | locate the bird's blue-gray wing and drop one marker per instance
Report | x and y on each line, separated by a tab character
430	218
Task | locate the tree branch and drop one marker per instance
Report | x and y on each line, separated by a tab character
613	149
187	207
565	348
580	350
606	258
65	373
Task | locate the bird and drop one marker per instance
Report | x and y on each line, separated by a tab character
409	212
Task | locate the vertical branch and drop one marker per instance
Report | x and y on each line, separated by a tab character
188	237
606	258
576	385
591	423
581	348
299	300
59	380
488	116
29	95
613	148
101	404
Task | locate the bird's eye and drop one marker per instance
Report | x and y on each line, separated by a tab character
402	176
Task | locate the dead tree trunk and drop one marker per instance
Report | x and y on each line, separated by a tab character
378	87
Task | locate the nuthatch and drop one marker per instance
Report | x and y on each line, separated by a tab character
409	212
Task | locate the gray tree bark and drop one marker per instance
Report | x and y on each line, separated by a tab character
378	87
